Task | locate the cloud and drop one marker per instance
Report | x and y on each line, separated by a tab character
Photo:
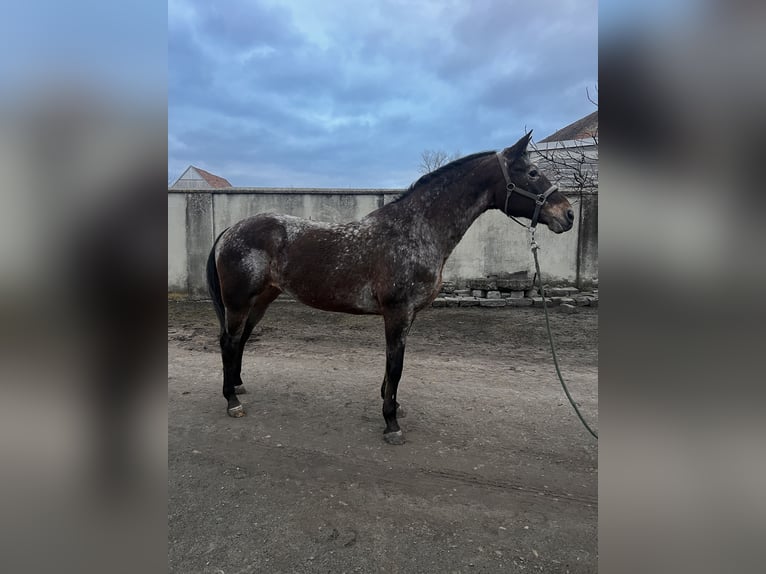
352	93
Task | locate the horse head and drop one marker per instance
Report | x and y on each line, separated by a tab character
529	193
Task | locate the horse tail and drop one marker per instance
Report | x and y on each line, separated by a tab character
214	285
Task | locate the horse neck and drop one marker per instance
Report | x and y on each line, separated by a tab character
449	210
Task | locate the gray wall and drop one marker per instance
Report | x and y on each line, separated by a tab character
494	245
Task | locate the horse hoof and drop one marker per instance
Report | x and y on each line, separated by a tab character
236	412
400	412
240	390
394	437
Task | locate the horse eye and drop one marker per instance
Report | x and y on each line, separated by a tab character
533	173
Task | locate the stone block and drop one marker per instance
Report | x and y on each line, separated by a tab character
524	274
538	301
439	302
519	302
448	287
468	302
480	293
493	295
452	301
514	284
567	308
492	303
531	293
485	284
581	301
517	295
593	301
562	291
462	293
567	301
513	281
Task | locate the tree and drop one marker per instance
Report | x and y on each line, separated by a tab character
575	165
431	160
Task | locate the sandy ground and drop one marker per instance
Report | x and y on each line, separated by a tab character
497	475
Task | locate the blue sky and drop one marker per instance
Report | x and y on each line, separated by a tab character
349	93
86	45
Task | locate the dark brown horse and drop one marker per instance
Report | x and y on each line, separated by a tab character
389	263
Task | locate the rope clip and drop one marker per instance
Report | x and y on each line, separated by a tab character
532	242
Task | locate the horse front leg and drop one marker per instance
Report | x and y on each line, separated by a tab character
400	410
397	324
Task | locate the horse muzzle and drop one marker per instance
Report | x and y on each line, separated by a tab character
558	218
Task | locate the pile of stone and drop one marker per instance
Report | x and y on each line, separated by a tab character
514	291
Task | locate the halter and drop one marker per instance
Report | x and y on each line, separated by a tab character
511	187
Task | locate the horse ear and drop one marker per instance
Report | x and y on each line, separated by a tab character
519	148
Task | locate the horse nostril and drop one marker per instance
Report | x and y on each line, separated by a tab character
570	215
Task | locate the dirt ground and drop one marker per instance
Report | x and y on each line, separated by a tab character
497	475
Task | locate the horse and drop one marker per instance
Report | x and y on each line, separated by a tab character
388	263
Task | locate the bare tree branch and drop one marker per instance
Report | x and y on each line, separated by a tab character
591	100
573	166
431	160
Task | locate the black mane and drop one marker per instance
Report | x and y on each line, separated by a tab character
445	170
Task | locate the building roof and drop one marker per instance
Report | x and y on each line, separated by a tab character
214	180
196	178
583	129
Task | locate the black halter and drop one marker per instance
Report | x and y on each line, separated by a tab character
511	187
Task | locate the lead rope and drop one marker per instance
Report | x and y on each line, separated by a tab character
534	246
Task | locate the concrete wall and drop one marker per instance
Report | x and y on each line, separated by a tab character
177	256
494	245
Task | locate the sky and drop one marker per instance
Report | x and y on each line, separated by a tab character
350	93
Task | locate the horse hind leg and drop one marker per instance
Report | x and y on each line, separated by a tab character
231	355
239	326
248	329
258	310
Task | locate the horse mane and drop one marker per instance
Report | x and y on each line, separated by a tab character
446	170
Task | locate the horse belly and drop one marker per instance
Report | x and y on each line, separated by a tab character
330	288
